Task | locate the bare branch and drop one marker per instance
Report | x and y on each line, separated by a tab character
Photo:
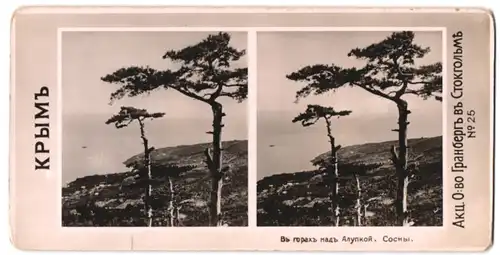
394	154
234	85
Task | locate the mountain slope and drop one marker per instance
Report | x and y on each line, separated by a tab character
109	200
302	198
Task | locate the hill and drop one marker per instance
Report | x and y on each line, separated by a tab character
106	200
302	198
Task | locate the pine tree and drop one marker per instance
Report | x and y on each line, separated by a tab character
125	117
168	173
205	75
358	170
389	72
310	116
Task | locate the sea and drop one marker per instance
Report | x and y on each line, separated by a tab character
92	147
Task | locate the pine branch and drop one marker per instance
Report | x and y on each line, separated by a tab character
374	91
205	73
189	94
314	112
389	64
128	114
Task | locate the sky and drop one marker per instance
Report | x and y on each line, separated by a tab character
88	56
280	53
91	147
283	146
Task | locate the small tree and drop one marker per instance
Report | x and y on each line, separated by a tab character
169	172
205	75
125	116
162	173
357	170
390	73
310	116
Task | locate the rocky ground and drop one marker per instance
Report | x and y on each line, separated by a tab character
302	198
113	200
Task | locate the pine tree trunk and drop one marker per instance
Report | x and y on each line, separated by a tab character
147	164
335	192
214	162
400	159
358	201
335	175
171	203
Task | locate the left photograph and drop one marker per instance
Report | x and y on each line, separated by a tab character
154	129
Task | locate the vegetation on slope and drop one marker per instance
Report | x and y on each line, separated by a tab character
302	198
112	200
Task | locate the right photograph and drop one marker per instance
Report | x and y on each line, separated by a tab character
349	128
